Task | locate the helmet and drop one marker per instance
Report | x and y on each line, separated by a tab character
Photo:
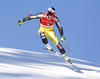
51	11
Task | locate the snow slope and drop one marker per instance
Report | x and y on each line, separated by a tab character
22	64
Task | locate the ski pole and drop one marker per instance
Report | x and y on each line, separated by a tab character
67	47
29	14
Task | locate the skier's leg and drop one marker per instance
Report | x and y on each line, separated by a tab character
51	35
44	40
54	38
64	55
62	51
43	37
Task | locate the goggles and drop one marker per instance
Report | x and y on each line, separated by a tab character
50	13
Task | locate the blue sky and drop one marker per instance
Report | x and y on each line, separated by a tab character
79	18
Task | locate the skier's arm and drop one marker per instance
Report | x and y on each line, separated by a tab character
60	29
39	15
59	26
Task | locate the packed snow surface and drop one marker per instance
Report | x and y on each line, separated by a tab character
23	64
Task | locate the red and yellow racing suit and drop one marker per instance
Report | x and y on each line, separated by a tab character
46	25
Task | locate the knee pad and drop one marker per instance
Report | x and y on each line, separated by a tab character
43	37
61	49
42	34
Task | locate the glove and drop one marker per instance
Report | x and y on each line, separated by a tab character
20	22
63	38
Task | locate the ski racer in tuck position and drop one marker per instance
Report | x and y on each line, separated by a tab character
47	19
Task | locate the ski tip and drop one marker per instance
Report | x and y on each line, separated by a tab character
71	53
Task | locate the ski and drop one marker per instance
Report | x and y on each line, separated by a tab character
73	65
52	51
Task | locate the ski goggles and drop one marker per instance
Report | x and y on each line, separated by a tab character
50	13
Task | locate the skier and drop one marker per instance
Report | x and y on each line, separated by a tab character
47	19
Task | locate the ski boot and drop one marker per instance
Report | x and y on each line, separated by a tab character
49	48
67	59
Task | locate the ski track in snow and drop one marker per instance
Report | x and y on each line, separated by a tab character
22	64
